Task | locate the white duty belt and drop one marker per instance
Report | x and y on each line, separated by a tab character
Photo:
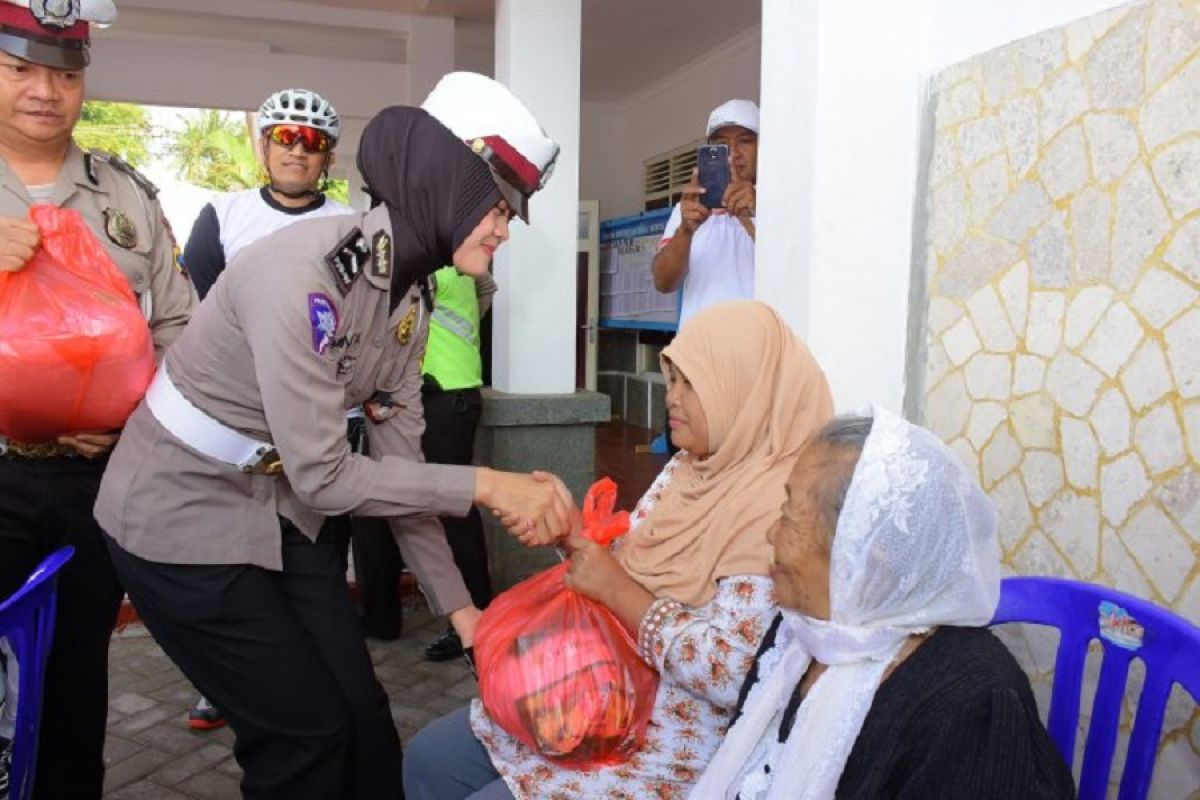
201	432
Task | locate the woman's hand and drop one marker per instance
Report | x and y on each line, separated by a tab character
537	508
595	572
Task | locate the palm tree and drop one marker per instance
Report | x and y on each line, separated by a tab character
215	152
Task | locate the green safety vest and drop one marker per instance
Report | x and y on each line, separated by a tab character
452	354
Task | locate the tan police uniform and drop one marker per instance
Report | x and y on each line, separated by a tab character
120	207
264	356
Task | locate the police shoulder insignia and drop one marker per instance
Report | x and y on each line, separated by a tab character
89	166
120	228
323	319
428	287
122	166
346	260
381	255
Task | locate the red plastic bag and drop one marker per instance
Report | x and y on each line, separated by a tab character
75	350
559	671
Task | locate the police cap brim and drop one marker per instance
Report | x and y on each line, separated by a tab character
517	201
46	51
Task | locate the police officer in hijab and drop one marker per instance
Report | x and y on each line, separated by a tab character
214	497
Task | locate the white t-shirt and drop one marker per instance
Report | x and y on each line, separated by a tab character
232	221
247	216
720	265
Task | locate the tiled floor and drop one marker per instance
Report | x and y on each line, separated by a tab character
152	755
622	453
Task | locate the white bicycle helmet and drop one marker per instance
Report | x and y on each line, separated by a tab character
299	107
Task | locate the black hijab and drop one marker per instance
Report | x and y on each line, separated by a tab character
435	188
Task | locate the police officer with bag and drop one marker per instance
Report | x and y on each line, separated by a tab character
47	490
214	497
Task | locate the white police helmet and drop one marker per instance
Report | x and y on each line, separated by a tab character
299	107
500	129
53	33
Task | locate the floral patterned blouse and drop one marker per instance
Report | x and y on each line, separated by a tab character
702	655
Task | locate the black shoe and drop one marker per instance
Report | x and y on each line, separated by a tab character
448	646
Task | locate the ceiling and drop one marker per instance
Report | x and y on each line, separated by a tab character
627	44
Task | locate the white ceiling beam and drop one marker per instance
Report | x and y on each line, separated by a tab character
284	11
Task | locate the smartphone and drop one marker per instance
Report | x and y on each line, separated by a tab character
712	166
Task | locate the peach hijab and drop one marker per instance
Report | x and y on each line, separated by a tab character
763	395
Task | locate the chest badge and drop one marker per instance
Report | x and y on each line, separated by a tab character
120	228
381	258
60	14
404	330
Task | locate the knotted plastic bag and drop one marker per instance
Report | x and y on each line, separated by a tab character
558	670
75	350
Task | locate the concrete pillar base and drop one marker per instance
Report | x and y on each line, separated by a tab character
524	432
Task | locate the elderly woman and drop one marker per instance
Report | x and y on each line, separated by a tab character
878	678
690	580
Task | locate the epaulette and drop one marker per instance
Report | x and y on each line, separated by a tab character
346	260
426	285
121	165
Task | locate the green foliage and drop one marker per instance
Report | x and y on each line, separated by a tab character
339	189
120	128
216	152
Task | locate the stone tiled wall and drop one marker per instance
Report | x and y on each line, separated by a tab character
1062	338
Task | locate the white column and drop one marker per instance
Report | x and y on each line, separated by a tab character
533	341
786	149
430	54
842	84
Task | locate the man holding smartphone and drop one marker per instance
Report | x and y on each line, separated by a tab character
708	244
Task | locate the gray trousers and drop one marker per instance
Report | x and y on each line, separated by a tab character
445	761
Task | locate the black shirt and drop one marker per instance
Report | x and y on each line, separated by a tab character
956	719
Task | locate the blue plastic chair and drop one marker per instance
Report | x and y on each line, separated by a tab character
27	620
1127	628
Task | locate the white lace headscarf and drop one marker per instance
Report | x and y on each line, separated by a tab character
915	547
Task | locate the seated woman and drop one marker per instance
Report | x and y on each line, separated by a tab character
689	580
878	678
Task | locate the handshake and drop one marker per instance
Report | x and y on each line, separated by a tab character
536	508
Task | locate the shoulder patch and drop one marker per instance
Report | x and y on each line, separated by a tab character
122	166
323	319
346	260
381	255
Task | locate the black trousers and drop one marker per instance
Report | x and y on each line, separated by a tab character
451	419
45	504
282	655
450	422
